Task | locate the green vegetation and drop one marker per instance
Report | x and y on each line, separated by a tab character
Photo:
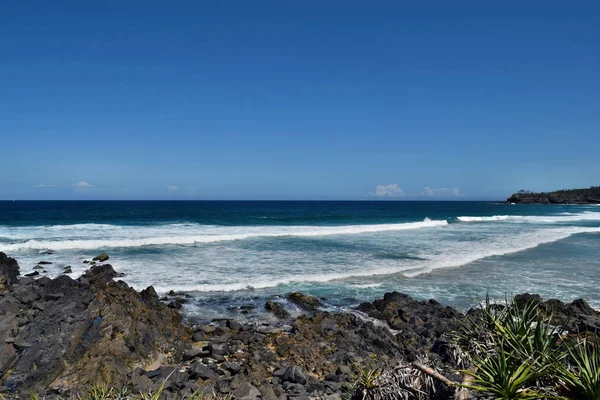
515	353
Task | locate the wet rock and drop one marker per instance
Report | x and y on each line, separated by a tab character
101	257
305	301
276	308
38	267
34	273
44	263
234	325
67	270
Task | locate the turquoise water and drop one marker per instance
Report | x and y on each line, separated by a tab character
228	254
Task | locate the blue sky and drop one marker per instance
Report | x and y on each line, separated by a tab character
298	99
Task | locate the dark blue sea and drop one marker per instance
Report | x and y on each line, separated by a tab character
231	254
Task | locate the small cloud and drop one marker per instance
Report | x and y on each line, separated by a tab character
43	185
81	185
427	191
172	188
389	190
442	192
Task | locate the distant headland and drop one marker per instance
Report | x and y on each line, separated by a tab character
569	196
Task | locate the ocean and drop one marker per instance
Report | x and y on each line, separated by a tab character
231	256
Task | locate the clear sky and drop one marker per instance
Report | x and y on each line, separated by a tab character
290	99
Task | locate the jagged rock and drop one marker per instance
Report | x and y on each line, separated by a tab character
305	301
101	257
276	308
26	294
294	374
92	333
100	274
246	392
9	272
232	367
202	372
150	296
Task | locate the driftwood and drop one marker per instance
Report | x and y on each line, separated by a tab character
463	392
433	373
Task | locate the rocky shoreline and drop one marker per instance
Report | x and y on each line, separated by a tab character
60	336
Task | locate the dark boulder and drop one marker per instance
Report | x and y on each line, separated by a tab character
305	301
101	257
246	392
100	274
9	272
276	308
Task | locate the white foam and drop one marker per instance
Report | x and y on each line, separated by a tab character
91	236
455	254
514	244
563	217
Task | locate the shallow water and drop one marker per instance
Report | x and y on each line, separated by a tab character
227	254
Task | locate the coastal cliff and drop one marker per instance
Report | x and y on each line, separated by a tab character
569	196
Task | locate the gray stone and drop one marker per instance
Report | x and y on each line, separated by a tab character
246	392
294	374
220	349
26	294
203	372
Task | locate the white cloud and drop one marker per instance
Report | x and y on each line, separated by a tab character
442	192
81	185
427	191
43	185
389	190
172	188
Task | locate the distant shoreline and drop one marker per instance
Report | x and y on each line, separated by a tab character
566	197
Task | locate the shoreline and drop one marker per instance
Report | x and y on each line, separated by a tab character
60	336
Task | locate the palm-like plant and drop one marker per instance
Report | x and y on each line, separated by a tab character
505	375
581	379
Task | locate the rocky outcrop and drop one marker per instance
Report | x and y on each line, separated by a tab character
572	196
101	257
305	301
419	323
277	309
65	334
9	272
